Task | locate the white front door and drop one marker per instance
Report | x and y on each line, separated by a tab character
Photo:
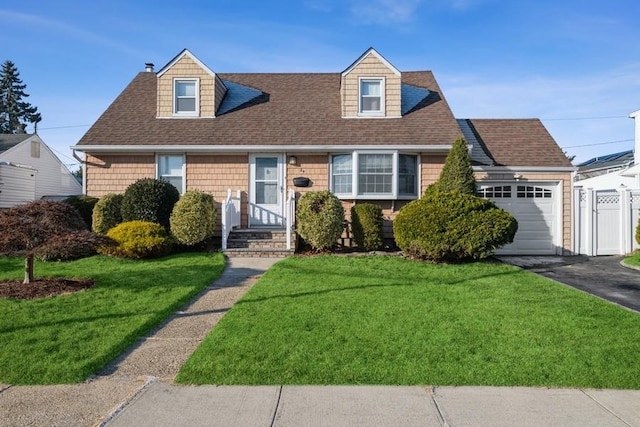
266	198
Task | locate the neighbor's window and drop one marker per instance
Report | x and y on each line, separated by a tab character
374	175
185	101
371	96
171	169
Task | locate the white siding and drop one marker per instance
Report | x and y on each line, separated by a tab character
17	185
53	178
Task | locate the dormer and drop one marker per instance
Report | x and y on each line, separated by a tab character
371	88
188	89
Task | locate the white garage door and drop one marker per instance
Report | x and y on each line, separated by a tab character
535	206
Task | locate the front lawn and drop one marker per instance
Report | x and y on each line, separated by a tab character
388	320
65	339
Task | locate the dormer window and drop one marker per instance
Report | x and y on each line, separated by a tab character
371	96
185	101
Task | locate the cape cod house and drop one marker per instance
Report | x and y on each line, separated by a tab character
371	133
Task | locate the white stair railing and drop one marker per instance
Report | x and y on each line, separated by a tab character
290	216
230	216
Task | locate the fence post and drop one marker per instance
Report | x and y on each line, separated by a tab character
589	213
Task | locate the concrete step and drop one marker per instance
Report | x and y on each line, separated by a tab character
260	253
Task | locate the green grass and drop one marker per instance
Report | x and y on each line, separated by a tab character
388	320
65	339
633	259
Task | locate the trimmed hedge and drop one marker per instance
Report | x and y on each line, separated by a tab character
138	239
366	224
107	213
452	226
320	218
149	200
193	219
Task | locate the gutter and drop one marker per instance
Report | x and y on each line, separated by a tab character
444	148
524	168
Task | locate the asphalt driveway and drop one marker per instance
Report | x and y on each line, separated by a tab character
602	276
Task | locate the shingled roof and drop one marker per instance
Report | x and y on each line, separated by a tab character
294	109
10	140
518	142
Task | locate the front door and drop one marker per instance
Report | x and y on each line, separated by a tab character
266	175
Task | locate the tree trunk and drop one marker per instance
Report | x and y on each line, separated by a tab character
28	269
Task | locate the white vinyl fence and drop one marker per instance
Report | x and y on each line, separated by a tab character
605	221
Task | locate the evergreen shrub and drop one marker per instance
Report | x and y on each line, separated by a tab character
193	218
366	224
107	213
138	239
149	200
84	205
452	226
320	219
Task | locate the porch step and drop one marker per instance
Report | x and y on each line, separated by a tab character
258	242
260	253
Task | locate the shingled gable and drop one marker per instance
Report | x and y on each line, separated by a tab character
186	68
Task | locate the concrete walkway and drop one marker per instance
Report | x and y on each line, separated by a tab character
137	389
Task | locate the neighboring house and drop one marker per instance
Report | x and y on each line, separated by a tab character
369	134
20	153
613	171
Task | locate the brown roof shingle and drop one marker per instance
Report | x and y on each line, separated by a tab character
519	142
296	109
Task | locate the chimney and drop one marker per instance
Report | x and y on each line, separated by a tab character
148	67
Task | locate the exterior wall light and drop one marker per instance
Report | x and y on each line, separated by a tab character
293	160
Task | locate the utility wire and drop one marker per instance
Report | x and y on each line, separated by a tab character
599	143
585	118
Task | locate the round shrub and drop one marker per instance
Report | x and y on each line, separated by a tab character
84	205
366	224
452	226
149	200
107	213
320	219
138	239
193	218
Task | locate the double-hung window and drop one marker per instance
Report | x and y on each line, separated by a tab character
371	97
171	169
185	101
382	175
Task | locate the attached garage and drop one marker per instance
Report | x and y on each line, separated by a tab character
537	207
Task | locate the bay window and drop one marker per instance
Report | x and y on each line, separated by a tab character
381	175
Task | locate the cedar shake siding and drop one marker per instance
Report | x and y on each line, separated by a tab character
108	173
370	66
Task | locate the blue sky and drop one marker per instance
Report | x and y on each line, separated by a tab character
574	64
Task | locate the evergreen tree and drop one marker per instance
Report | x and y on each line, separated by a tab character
457	173
15	113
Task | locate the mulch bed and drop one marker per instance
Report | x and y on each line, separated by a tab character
42	287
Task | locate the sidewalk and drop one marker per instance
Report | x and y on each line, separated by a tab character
136	389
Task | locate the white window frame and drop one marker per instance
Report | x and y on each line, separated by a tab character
182	170
194	113
355	174
378	113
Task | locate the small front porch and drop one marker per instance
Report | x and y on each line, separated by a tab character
250	240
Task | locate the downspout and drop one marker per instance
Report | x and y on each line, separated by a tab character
83	165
